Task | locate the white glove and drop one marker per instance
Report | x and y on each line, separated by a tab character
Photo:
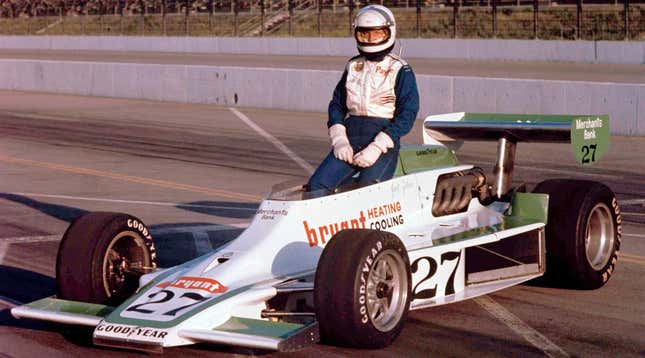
342	150
368	156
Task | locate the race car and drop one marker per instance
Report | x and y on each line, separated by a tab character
346	266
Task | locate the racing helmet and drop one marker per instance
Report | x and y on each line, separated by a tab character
374	29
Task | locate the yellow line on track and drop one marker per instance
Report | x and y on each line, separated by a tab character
635	259
632	261
632	256
132	179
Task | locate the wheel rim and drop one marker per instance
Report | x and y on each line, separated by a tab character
387	290
599	240
125	257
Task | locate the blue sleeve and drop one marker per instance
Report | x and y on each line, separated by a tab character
407	104
338	105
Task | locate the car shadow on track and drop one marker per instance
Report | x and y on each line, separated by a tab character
22	286
178	243
439	339
25	286
224	209
61	212
66	213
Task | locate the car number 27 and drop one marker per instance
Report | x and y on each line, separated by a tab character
437	275
164	305
165	296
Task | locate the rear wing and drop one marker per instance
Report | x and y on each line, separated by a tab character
588	134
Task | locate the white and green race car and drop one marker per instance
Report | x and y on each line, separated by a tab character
346	267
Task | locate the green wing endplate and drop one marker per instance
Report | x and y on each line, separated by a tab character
63	311
258	327
73	307
260	334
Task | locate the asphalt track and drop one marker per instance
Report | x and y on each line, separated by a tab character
613	73
195	173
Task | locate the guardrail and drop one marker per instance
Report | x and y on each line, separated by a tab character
608	52
309	90
538	19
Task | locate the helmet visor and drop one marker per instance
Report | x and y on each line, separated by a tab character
372	36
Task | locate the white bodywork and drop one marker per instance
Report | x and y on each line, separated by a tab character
204	300
285	240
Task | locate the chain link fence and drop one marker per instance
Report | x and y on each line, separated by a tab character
540	19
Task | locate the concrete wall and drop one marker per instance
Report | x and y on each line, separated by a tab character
619	52
310	90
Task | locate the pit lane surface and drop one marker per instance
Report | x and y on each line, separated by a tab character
195	173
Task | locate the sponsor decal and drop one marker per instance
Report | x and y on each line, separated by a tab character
143	230
174	298
270	214
362	290
382	71
195	283
619	238
163	284
380	218
387	223
358	66
130	332
331	229
426	151
385	216
590	138
589	126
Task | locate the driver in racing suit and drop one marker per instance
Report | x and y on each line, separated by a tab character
374	104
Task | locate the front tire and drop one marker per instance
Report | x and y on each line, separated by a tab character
583	233
101	257
362	289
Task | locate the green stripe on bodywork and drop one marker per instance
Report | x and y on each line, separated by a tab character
399	168
74	307
530	205
414	158
510	117
525	209
258	327
115	317
508	222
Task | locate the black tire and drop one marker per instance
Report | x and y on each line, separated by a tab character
579	209
101	257
345	315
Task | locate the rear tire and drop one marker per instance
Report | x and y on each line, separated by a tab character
101	257
583	233
362	289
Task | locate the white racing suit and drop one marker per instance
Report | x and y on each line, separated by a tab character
371	97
